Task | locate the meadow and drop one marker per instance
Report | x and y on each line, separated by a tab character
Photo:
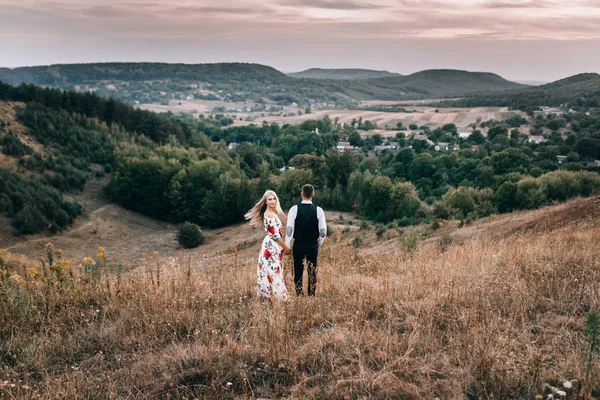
487	316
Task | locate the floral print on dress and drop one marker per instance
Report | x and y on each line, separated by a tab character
270	268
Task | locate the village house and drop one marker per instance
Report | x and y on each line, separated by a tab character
344	146
232	145
464	134
537	139
442	146
561	160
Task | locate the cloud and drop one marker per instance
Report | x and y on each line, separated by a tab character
333	4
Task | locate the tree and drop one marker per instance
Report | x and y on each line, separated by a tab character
506	197
190	235
355	139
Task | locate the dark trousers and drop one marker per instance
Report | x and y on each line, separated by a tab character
309	251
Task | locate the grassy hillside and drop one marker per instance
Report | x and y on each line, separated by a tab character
479	317
342	73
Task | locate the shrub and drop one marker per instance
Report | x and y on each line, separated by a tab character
381	229
446	241
410	243
190	235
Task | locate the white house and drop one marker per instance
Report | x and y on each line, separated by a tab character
464	134
343	146
537	139
442	146
561	159
232	145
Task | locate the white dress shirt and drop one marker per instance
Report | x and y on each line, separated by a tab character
291	223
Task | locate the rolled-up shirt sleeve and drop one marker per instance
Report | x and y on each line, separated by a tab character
291	223
322	225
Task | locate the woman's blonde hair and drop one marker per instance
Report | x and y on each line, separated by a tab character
257	213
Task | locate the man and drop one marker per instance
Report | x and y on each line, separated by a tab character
306	224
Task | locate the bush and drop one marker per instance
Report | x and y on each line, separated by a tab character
410	244
446	241
381	229
190	235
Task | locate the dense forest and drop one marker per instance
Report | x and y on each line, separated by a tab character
205	171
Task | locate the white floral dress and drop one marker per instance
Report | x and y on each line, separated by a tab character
270	268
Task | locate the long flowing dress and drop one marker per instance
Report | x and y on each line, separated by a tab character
270	268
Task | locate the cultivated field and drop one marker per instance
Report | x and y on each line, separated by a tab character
426	116
422	116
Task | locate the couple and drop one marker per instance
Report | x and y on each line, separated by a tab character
306	224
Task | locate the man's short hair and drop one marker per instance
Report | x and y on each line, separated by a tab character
308	191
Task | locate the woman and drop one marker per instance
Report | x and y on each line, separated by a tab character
270	270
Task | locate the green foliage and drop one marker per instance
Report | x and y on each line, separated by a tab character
12	146
190	235
32	206
380	231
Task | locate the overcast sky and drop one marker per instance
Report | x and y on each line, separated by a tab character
520	40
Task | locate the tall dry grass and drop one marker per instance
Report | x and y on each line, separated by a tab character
485	318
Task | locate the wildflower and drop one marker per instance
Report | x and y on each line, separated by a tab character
88	260
101	249
100	256
33	274
567	384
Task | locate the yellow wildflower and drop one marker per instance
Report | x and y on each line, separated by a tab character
33	274
88	260
101	249
100	255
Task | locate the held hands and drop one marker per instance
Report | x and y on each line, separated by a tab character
286	251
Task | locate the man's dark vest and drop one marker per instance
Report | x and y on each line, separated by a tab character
306	228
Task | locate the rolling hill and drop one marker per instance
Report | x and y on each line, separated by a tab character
343	74
445	82
579	90
160	82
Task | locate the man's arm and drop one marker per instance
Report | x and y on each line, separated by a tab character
291	223
322	225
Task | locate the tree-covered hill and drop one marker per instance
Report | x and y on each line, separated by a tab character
445	82
76	73
207	171
342	73
582	90
158	82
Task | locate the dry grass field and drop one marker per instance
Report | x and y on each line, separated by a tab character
497	312
423	116
461	117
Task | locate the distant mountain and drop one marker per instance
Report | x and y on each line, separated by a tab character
577	90
342	73
445	82
160	83
61	74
